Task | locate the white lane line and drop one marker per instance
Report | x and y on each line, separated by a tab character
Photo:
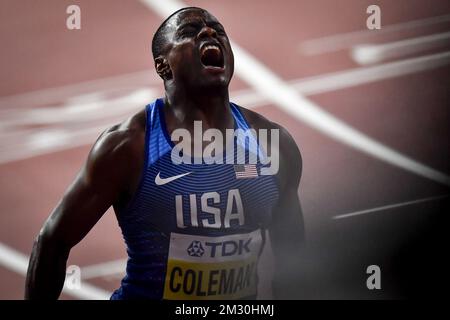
374	53
52	95
75	129
104	269
72	139
345	40
95	109
273	88
17	262
387	207
349	78
13	260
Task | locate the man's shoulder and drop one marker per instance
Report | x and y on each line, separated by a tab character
121	141
258	121
291	162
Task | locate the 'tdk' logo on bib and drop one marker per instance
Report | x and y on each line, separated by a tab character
195	249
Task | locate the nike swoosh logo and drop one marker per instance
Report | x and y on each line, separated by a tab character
161	181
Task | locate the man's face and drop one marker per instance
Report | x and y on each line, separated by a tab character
199	52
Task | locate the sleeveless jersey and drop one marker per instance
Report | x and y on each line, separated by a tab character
195	231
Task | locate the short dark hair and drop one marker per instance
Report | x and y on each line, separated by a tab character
159	37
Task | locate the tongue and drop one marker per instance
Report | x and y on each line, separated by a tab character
211	57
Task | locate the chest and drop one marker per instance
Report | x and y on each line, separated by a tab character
202	198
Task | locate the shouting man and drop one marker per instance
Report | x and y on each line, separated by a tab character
194	222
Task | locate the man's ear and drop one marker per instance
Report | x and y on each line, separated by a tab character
162	68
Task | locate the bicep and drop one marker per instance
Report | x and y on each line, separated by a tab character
77	212
94	190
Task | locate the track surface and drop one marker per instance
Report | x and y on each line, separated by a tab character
59	89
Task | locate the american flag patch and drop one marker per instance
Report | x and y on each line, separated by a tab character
245	171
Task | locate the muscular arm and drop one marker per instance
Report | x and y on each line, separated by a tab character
287	230
98	185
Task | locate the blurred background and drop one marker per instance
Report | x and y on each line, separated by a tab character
369	110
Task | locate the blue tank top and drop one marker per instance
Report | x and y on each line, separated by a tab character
194	231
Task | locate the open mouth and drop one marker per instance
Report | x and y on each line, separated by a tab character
211	56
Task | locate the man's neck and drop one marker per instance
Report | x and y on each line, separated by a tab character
184	107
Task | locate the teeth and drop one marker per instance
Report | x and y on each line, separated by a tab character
210	46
